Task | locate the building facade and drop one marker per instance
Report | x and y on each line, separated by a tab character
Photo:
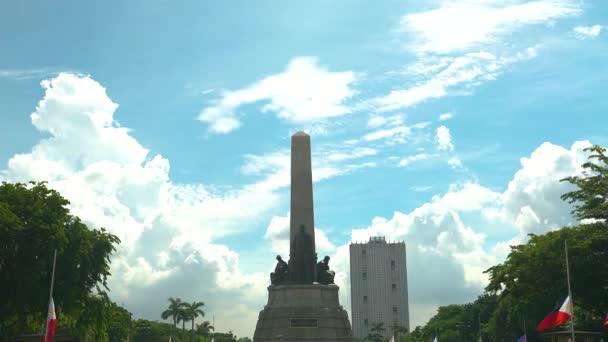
378	283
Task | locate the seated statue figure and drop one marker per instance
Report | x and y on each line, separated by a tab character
324	274
281	272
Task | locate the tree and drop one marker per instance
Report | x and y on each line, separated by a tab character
183	316
591	199
174	311
204	328
193	311
119	323
377	331
398	329
145	331
532	280
35	221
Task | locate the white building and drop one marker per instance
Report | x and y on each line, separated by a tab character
378	284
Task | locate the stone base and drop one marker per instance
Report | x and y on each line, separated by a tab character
303	313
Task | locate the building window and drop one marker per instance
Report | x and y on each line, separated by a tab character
364	299
364	275
394	287
365	321
393	265
394	309
363	253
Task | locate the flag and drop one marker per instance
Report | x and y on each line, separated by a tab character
557	317
169	338
212	337
605	325
392	339
51	322
435	339
522	339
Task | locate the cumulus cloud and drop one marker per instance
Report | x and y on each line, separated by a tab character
168	230
443	248
584	32
532	197
462	25
444	139
304	92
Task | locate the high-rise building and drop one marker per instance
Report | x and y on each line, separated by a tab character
378	284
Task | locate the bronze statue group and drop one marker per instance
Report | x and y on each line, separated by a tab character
301	268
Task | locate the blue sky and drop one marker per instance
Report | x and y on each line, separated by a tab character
169	123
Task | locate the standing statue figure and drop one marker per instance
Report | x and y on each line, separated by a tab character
281	272
302	261
324	274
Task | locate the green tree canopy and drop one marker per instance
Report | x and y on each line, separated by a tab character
591	198
532	280
34	221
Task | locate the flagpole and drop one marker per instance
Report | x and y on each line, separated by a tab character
525	332
46	332
569	291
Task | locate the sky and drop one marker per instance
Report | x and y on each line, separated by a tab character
443	124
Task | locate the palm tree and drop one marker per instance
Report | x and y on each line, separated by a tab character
194	310
183	315
204	328
376	331
173	311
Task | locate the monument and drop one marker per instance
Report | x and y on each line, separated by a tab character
303	302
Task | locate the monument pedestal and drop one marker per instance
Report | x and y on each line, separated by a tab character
303	313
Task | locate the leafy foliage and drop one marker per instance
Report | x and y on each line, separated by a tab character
34	221
174	311
591	199
377	331
532	281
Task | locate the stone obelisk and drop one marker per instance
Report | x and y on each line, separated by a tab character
300	308
302	254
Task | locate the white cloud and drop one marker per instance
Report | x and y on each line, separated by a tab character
461	25
26	74
408	160
454	162
354	154
446	116
584	32
458	73
398	133
421	188
444	139
166	229
443	249
377	121
275	166
304	92
532	199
